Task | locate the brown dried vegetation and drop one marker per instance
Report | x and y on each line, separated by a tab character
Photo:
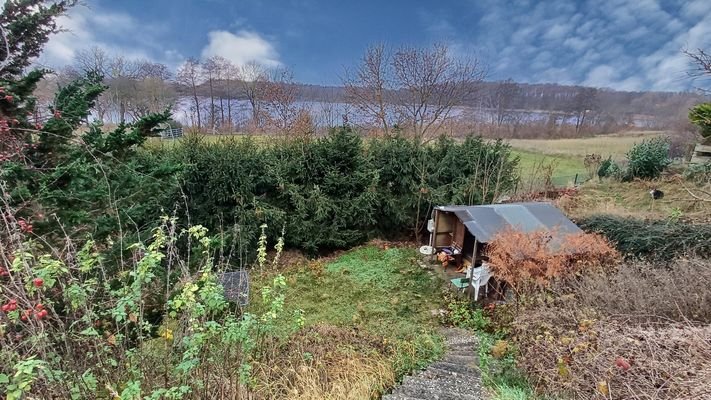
529	260
640	332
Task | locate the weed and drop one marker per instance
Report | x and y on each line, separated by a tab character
379	292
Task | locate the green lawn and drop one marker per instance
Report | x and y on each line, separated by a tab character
380	291
568	154
566	167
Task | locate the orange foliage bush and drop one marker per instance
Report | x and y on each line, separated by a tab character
527	260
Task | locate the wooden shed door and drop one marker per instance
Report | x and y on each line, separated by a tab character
458	239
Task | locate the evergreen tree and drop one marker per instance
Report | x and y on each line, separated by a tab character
63	169
26	27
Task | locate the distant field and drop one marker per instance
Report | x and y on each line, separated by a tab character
615	145
568	154
566	167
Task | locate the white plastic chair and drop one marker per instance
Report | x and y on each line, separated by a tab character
480	277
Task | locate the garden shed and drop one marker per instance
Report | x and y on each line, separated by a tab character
464	231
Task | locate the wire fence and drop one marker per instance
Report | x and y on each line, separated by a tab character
537	182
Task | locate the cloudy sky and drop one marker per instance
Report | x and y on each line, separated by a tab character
620	44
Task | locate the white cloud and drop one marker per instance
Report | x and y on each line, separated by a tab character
621	44
114	32
241	48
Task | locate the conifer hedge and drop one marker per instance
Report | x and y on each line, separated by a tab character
336	191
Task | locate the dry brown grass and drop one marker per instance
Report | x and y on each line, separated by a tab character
643	332
615	145
632	199
326	362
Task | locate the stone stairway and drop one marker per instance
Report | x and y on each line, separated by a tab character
455	377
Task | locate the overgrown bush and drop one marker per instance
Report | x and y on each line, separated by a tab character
161	328
699	173
647	160
609	169
640	331
700	116
656	239
528	260
649	292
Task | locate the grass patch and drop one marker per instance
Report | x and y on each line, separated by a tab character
568	154
381	292
615	145
632	199
567	166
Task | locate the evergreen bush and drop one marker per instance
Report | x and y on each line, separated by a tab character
337	191
647	160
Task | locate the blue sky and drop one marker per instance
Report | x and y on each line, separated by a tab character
620	44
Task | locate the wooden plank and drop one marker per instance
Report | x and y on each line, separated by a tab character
458	239
699	159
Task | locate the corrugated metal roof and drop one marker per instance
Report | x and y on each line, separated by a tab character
485	221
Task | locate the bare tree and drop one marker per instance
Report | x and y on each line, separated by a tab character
369	85
254	78
582	105
430	83
501	101
280	106
190	75
211	68
702	60
120	75
230	73
152	92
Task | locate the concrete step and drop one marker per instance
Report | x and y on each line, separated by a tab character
465	345
462	372
438	390
455	377
450	368
446	379
468	360
397	396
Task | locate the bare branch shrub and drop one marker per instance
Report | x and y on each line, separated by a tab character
638	332
527	260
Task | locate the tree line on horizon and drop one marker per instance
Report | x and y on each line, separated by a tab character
423	90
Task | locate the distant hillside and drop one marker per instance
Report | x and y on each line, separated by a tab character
547	97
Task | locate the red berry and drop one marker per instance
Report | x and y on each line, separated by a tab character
13	301
39	306
42	314
9	98
5	307
38	282
622	363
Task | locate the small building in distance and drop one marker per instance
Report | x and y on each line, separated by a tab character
464	231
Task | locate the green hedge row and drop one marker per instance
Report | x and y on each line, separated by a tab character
655	239
336	191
